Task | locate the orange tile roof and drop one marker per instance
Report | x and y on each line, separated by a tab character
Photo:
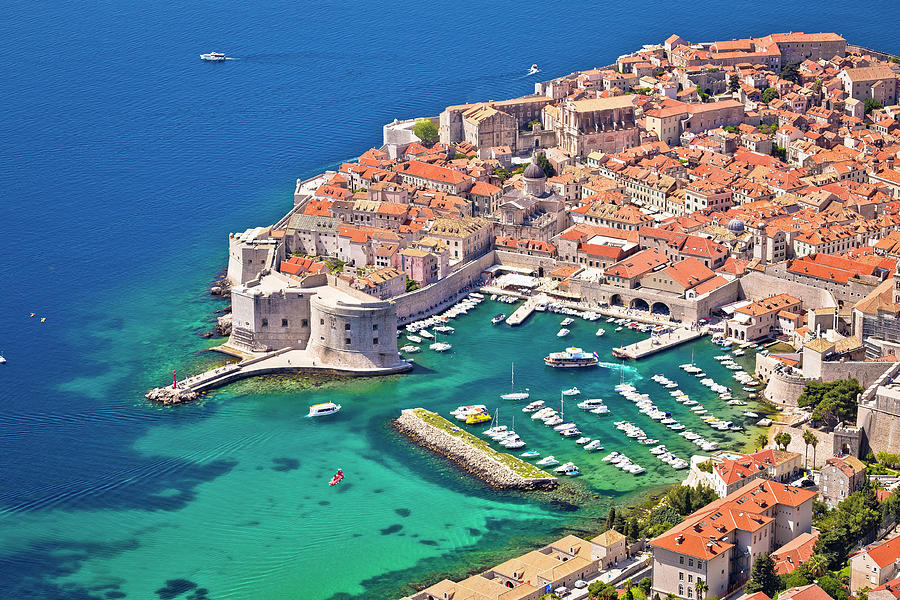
799	550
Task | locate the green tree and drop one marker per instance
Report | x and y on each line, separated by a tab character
833	587
831	402
761	440
533	124
634	531
734	83
817	565
501	174
611	517
426	131
814	442
544	164
411	285
644	585
768	95
871	104
763	577
791	72
601	590
808	437
783	439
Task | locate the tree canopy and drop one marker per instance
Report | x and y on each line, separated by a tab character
871	104
840	529
734	83
769	94
763	577
600	590
686	499
544	164
426	131
791	72
831	402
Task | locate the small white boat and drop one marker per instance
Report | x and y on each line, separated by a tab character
566	322
498	318
513	394
409	349
590	403
323	409
548	461
610	457
600	332
426	334
213	56
601	410
444	329
564	426
566	468
530	454
582	440
536	405
571	432
562	332
414	339
618	329
573	391
2	361
593	446
750	414
440	346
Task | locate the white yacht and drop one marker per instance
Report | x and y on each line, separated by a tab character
569	468
592	446
325	408
562	332
426	334
590	403
600	332
440	346
548	461
567	321
414	339
213	56
534	406
513	394
410	349
573	391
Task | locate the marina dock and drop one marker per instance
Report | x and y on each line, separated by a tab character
657	343
523	312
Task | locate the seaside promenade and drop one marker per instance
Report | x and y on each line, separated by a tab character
657	343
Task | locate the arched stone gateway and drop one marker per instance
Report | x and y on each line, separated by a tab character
616	300
660	308
640	304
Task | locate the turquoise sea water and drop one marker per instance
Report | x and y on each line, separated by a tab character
124	163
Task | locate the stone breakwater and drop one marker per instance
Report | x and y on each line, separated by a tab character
500	470
167	395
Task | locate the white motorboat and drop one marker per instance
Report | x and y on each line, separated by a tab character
600	332
552	421
498	318
548	461
566	468
513	394
534	406
590	403
601	410
213	56
530	454
440	346
750	414
609	457
562	332
444	329
571	432
593	446
582	441
544	413
564	426
566	322
410	349
414	339
426	334
323	409
2	361
573	391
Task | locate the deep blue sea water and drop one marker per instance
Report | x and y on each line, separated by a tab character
124	163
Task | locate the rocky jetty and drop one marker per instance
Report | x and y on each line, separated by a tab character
168	396
223	325
472	454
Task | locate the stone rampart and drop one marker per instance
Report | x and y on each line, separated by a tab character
783	389
440	295
757	285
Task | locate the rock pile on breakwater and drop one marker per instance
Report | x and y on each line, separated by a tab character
167	395
484	463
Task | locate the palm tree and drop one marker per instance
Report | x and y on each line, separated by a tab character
762	440
701	588
808	439
817	565
814	443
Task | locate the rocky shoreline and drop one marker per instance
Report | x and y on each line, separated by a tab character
167	396
470	458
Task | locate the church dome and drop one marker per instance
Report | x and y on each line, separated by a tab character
533	171
735	225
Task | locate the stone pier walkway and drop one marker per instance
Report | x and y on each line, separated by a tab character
657	343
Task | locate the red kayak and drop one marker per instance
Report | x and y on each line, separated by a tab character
338	477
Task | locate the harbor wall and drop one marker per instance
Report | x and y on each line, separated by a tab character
467	456
440	295
543	265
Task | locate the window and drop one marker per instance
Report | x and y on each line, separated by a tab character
304	323
690	578
284	322
347	341
347	327
690	592
680	576
265	322
680	590
690	562
375	327
321	321
699	564
375	341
